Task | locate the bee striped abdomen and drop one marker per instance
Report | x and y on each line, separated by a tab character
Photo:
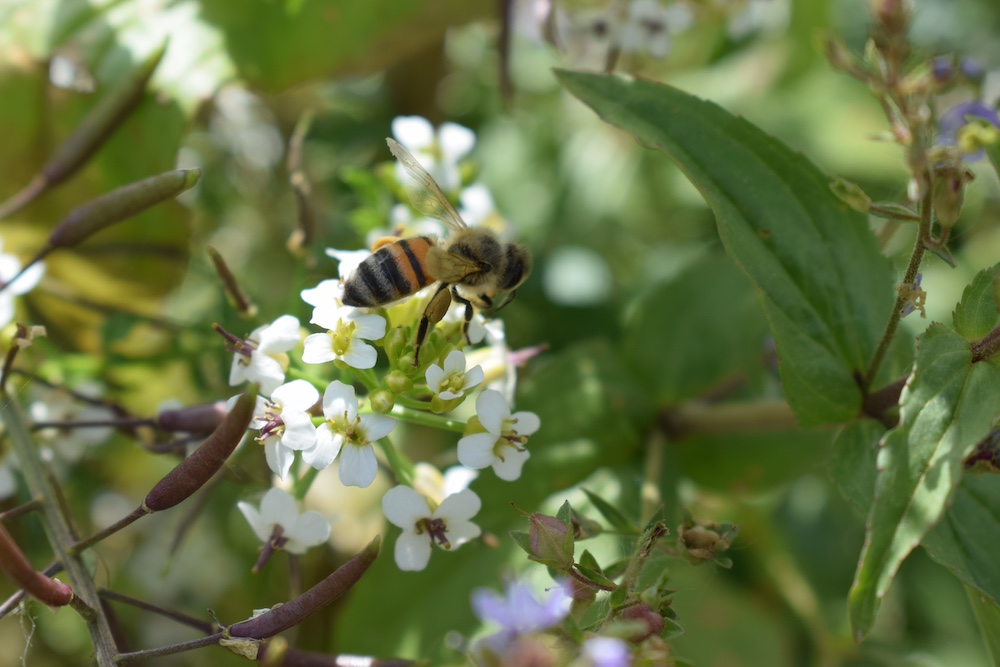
393	271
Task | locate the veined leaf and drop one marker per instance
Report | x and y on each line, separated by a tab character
826	288
976	315
948	405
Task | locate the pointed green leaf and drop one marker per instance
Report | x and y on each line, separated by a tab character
522	539
976	314
948	406
852	462
595	576
988	616
826	288
609	512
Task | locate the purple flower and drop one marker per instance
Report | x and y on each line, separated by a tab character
955	118
520	612
606	652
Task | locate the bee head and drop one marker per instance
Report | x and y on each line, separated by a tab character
516	271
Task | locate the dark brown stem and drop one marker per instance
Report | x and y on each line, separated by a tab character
878	403
136	514
20	510
987	347
180	617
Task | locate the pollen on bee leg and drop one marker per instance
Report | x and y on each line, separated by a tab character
383	241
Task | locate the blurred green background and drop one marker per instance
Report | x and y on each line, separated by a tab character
615	229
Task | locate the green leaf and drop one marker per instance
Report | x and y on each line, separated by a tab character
948	405
988	616
609	512
976	314
852	462
826	288
595	576
694	313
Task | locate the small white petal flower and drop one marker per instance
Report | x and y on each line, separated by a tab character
285	424
68	442
650	25
10	266
452	381
502	445
263	361
327	292
278	521
347	329
477	325
447	526
438	154
349	434
430	483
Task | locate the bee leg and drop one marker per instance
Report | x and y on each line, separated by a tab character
468	314
433	313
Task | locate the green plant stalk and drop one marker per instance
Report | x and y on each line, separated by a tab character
57	527
423	418
912	268
401	466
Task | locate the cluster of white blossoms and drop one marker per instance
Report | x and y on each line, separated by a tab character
428	509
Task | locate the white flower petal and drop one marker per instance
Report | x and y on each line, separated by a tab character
296	395
327	446
281	336
460	532
279	458
414	132
492	409
412	552
8	483
449	395
329	315
340	398
461	506
310	529
403	507
358	466
476	451
458	478
509	468
368	327
328	291
360	355
317	349
349	260
454	362
376	427
473	377
279	507
527	422
260	528
299	431
27	280
434	375
455	141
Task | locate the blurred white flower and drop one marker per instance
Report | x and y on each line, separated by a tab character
285	425
430	483
348	434
502	445
263	361
651	24
437	152
446	525
278	521
69	442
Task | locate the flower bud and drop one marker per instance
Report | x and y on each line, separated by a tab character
551	541
949	193
838	55
851	194
891	16
394	342
704	540
398	383
653	623
382	401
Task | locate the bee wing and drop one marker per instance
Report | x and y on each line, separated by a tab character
449	267
424	193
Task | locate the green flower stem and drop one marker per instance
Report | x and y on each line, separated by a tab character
410	402
402	467
923	233
297	373
423	418
301	486
368	378
57	527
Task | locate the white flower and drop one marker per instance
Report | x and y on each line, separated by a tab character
586	35
349	434
477	325
285	425
439	152
447	525
476	204
10	266
280	523
263	360
70	442
650	24
501	374
347	329
327	292
452	381
501	446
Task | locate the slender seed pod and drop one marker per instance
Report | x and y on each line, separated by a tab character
100	123
193	419
194	471
120	204
237	297
16	566
282	617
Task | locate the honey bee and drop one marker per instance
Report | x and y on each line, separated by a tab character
473	266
